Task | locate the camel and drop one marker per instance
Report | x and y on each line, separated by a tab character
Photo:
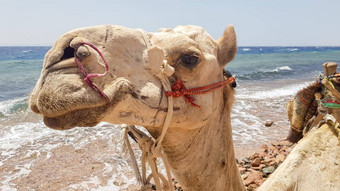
122	86
314	162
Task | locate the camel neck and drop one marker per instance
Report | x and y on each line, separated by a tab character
203	158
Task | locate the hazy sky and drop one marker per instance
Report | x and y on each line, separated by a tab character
257	22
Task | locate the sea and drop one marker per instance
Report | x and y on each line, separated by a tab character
34	157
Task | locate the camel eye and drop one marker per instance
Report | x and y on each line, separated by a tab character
189	60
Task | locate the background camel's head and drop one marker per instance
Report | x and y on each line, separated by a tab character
136	95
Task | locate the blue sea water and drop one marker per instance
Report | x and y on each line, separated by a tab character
267	78
274	63
19	70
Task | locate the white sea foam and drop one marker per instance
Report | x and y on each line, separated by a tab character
292	49
245	49
29	139
287	90
5	106
282	68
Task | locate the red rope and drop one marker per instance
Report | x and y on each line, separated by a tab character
88	77
178	89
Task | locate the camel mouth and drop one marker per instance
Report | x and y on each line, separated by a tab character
53	108
85	118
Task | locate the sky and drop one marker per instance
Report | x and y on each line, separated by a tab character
257	22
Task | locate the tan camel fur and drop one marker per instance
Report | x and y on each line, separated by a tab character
198	144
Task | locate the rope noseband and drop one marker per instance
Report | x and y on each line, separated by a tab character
88	77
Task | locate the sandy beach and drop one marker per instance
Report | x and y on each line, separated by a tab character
96	165
92	159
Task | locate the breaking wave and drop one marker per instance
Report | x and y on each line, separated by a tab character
278	72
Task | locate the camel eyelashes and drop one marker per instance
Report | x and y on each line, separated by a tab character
189	60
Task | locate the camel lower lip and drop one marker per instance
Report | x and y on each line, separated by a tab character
81	118
54	123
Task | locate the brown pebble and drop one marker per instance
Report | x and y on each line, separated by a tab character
267	159
253	177
252	185
256	162
254	156
272	163
280	158
269	123
259	167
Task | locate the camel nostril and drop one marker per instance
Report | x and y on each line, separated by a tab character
68	53
83	52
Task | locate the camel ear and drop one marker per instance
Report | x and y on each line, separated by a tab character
227	46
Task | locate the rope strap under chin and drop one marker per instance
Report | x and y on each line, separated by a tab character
150	153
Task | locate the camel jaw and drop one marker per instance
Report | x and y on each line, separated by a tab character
80	118
79	104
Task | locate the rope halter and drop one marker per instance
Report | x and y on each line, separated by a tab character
88	77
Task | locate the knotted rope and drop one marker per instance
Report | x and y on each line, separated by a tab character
178	89
150	153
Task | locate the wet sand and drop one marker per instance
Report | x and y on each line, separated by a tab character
93	166
89	159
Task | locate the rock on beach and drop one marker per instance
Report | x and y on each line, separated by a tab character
256	168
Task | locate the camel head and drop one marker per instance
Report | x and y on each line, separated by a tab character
135	95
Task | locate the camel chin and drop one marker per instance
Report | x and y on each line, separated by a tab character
85	118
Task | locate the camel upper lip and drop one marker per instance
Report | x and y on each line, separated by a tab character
68	54
63	64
